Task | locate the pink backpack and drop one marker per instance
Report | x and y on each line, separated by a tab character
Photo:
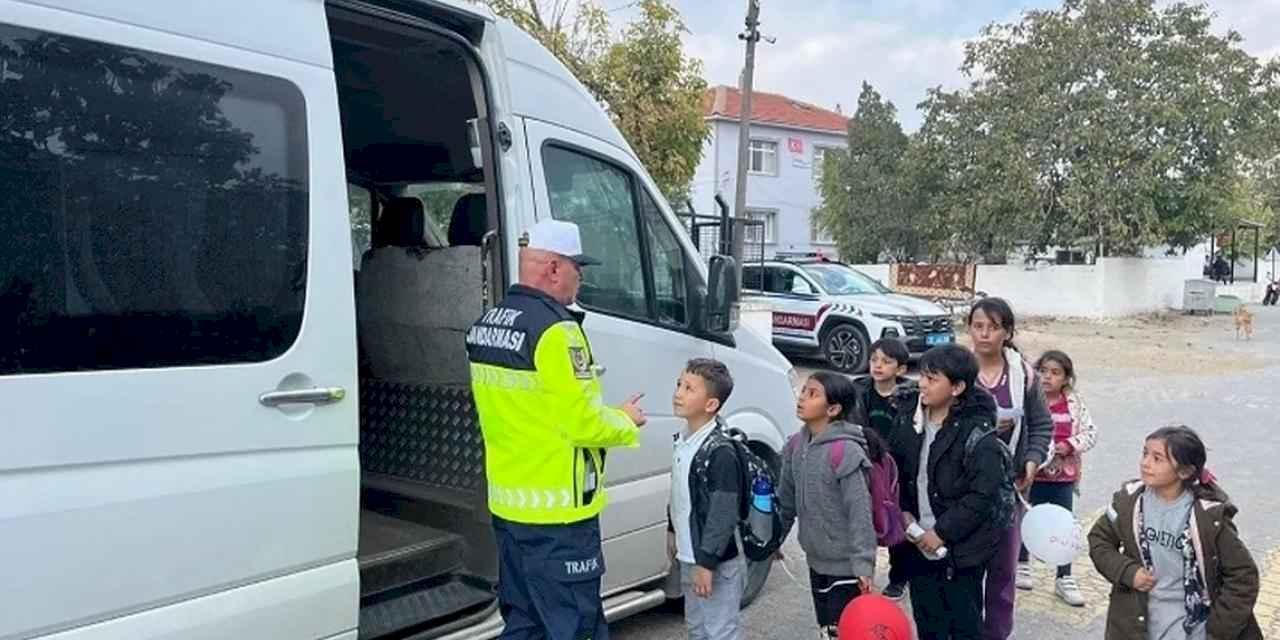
882	483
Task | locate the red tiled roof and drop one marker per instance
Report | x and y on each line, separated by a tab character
771	108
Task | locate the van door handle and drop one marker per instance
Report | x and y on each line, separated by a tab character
315	395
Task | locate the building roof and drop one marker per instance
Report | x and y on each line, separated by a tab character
771	108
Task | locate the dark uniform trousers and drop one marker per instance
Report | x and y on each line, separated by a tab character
549	580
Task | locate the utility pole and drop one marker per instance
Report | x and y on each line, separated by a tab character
751	36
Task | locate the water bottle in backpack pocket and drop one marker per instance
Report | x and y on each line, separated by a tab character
759	525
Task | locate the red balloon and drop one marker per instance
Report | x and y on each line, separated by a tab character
874	617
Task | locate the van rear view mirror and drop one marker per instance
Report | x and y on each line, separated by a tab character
723	290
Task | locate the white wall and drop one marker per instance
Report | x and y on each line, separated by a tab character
1111	288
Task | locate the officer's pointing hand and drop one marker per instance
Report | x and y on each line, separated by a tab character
632	408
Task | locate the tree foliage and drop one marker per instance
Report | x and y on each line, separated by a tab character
1124	122
652	90
863	186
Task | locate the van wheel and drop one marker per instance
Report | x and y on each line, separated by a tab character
758	572
845	348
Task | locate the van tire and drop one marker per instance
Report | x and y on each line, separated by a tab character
757	577
845	347
758	572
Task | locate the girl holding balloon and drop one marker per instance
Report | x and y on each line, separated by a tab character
1169	545
1058	480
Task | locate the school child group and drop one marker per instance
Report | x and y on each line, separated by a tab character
982	434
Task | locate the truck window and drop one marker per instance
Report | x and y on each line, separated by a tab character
153	210
598	197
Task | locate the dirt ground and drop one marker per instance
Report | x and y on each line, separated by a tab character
1162	344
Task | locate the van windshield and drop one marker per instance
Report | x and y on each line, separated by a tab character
840	280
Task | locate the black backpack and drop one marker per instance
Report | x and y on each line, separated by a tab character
1002	510
752	467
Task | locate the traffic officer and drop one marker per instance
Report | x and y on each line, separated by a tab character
546	429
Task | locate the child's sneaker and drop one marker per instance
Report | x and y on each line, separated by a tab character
1024	581
1069	591
895	591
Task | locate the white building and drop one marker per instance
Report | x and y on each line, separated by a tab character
788	140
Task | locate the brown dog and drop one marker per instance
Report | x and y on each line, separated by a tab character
1244	323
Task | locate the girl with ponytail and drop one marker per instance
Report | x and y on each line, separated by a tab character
1169	544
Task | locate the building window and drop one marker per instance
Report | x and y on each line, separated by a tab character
766	233
764	157
819	161
817	234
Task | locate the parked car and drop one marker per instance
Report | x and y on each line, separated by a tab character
831	309
216	428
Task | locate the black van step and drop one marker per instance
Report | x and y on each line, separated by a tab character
394	553
432	605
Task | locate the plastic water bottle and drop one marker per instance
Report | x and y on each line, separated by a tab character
915	532
761	517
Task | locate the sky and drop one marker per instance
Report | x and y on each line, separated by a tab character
826	48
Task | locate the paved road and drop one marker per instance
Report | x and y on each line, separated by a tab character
1234	411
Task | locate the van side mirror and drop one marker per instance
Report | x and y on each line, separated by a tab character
723	292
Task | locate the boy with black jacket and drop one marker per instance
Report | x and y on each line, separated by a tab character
951	468
877	409
706	479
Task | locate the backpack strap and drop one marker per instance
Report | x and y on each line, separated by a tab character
835	453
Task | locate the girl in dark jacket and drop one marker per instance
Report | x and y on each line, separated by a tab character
1172	552
950	468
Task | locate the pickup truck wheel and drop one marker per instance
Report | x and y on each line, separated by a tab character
845	348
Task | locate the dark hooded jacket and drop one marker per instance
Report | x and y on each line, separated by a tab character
963	489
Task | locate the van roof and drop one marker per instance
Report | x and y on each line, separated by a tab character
469	7
542	88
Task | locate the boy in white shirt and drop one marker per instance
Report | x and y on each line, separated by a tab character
706	481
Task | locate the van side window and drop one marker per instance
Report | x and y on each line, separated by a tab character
153	210
668	264
598	197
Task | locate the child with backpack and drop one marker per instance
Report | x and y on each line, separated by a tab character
877	409
1058	481
705	508
955	477
1169	546
824	478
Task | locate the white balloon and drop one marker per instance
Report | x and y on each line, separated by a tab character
1051	534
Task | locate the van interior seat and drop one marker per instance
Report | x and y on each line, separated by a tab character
403	223
470	219
414	305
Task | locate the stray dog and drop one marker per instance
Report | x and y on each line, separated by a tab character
1244	323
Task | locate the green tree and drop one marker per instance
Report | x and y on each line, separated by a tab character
866	199
1108	119
652	90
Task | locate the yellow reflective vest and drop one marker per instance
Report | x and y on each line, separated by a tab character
542	415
